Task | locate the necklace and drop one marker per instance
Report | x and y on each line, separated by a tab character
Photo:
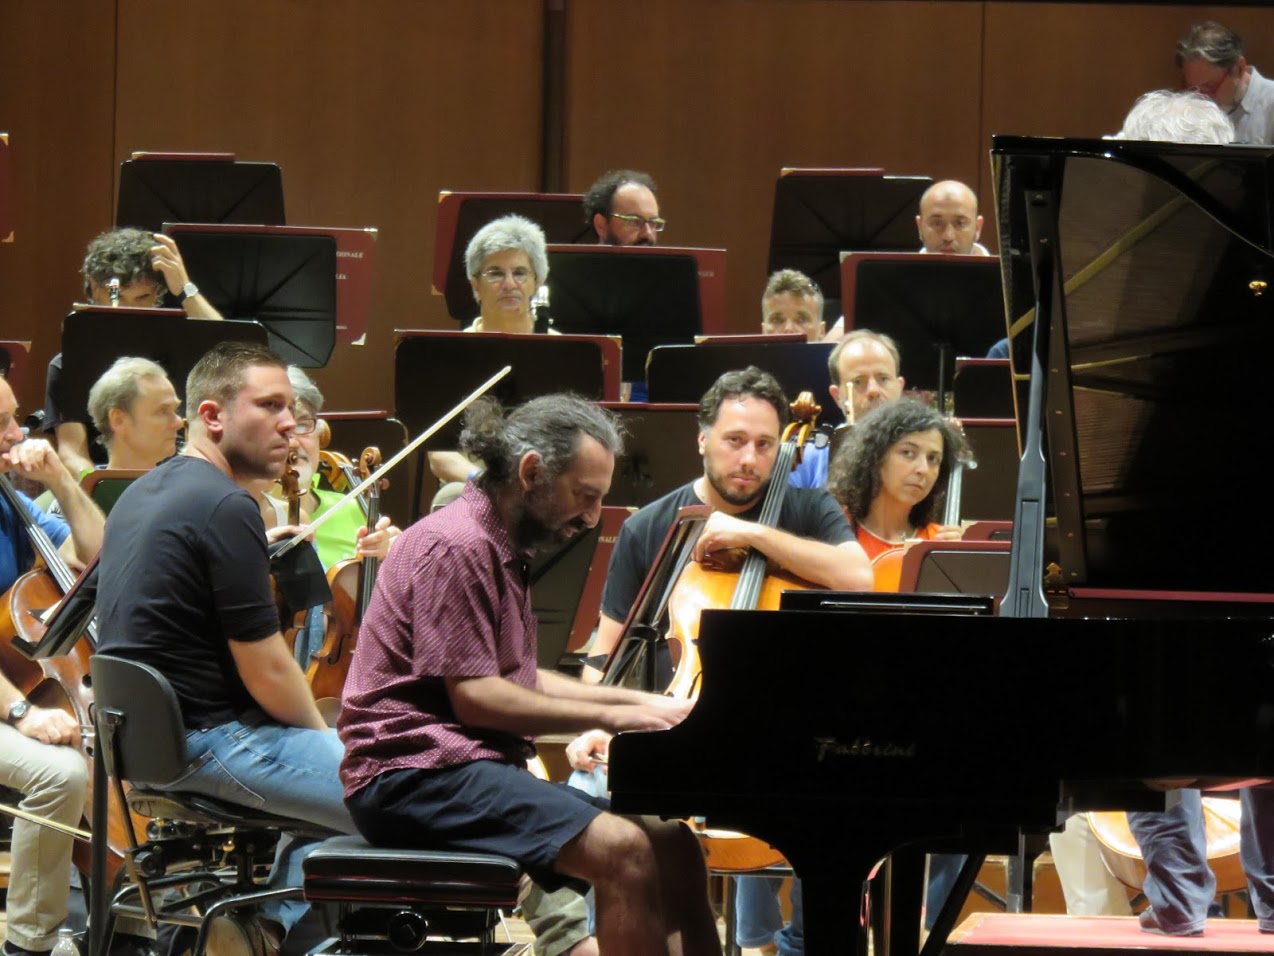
885	538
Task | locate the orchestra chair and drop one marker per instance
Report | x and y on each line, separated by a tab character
200	857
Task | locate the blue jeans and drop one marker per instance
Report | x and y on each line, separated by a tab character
758	919
1179	884
286	771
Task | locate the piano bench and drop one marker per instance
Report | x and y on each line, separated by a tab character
387	900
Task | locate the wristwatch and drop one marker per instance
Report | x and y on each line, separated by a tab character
17	710
187	291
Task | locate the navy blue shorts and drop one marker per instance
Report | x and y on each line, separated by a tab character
480	807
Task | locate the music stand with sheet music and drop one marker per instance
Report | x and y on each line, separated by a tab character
566	588
284	279
94	336
645	294
155	188
935	307
658	451
461	214
356	257
13	362
682	373
820	212
433	370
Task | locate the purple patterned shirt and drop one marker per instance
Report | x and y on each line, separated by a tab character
451	600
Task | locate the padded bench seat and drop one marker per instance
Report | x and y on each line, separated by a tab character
349	869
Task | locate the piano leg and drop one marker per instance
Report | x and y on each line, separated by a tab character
904	881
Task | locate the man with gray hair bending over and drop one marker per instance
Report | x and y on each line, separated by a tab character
1211	60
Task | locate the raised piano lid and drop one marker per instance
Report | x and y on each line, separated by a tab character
1154	417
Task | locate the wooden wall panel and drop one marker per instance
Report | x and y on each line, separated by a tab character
370	107
714	97
1074	69
57	63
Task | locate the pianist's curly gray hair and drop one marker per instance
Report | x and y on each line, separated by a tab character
550	426
508	232
853	477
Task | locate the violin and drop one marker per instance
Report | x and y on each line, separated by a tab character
55	682
755	585
352	583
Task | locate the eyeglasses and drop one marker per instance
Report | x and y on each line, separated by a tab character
494	276
305	426
641	222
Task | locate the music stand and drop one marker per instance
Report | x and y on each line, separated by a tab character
461	214
819	212
983	388
13	362
566	588
646	295
935	307
6	191
990	490
659	451
433	370
356	255
94	336
682	373
352	431
285	280
198	187
955	567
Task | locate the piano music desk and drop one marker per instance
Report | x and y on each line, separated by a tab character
1031	934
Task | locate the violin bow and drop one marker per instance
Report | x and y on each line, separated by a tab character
412	446
45	822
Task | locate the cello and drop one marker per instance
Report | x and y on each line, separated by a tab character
740	580
55	682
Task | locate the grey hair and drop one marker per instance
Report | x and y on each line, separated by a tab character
795	283
118	387
1177	116
550	426
508	232
304	390
1210	41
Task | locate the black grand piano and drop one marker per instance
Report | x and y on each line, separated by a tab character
1139	281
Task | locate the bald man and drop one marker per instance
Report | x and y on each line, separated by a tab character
949	223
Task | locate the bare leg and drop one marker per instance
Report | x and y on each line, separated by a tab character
683	881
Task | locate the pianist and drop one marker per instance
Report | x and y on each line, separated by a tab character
444	694
1211	60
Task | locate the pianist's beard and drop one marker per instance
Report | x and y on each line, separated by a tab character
720	482
541	526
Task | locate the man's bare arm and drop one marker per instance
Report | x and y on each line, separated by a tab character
273	678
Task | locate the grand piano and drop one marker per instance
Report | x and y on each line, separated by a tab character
1136	281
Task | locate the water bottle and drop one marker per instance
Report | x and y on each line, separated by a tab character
65	945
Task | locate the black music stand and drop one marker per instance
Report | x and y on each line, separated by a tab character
460	215
659	451
94	336
647	296
682	373
13	361
434	370
198	188
286	282
983	388
935	307
819	212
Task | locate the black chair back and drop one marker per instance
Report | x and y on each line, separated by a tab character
139	723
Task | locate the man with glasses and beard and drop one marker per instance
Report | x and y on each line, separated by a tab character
444	695
623	210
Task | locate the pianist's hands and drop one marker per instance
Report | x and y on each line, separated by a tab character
589	750
653	712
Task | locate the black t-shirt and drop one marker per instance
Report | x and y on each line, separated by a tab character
184	570
807	513
55	411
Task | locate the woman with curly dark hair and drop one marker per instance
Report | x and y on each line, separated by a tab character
891	475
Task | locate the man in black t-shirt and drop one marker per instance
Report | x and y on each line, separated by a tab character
185	587
740	422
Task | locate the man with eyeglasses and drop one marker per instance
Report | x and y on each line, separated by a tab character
623	209
864	371
792	302
1211	61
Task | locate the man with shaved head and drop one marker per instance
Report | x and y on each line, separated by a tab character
949	222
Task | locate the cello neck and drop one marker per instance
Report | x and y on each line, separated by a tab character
40	541
752	574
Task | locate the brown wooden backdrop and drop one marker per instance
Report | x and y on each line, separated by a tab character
372	106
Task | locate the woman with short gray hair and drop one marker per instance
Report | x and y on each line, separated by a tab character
507	261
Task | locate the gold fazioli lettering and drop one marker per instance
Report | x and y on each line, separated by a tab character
826	747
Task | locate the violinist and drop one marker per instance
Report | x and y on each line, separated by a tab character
132	268
346	535
137	412
185	587
37	756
